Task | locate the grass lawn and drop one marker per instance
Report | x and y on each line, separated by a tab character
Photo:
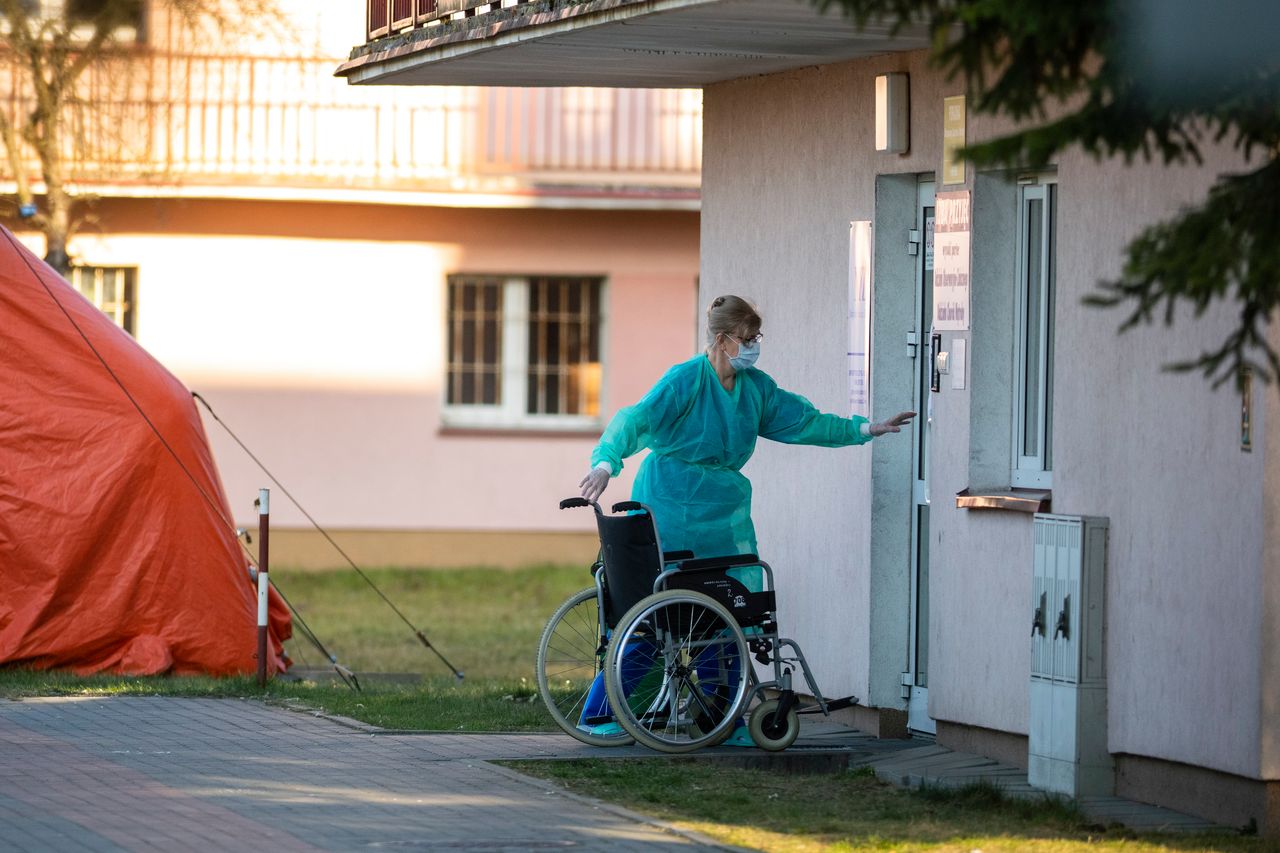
851	811
485	621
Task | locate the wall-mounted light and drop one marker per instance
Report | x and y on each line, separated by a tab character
893	113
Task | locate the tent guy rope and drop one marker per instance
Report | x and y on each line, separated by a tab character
416	631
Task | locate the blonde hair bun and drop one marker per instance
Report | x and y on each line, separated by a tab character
727	314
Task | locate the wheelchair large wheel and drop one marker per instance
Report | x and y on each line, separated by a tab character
677	671
570	656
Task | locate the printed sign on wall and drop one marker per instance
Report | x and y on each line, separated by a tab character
860	270
951	262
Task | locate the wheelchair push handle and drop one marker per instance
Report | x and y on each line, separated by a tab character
629	506
569	503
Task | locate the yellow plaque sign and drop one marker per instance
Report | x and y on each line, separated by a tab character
952	139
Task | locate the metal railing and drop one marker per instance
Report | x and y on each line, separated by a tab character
266	120
383	17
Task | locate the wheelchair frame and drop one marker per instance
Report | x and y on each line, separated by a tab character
671	700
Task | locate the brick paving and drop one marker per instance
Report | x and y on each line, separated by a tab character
153	773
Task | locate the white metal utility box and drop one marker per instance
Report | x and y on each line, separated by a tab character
1067	748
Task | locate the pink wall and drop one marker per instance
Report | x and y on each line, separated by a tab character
345	304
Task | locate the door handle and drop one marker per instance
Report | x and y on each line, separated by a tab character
935	375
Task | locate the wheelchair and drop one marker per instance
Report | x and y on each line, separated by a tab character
661	650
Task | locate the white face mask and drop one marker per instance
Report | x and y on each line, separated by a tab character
748	355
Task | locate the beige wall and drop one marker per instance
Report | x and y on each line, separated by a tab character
788	163
316	333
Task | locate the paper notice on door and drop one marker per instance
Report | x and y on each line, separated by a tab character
860	284
951	262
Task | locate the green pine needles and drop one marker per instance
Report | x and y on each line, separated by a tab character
1155	79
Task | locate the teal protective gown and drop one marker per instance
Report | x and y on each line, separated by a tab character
700	436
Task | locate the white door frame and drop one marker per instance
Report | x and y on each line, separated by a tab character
916	678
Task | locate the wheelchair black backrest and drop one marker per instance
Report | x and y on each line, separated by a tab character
632	556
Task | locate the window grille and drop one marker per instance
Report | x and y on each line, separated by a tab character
524	351
475	341
564	347
112	289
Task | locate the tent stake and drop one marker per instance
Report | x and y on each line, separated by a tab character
264	527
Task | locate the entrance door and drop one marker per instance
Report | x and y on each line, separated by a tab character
917	676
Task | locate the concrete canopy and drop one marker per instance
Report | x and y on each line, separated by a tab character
624	43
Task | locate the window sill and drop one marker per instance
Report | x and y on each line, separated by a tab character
517	432
1010	500
487	420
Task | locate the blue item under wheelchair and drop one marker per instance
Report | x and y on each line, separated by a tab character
701	435
607	729
741	736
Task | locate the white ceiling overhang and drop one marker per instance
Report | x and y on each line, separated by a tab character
625	43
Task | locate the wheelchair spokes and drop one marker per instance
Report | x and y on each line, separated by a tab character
570	655
677	671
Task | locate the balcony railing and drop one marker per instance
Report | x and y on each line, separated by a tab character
392	16
253	121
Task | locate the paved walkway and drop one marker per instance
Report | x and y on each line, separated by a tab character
148	773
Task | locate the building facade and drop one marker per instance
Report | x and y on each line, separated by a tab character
415	308
1058	479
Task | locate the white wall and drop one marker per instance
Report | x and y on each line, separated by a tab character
785	170
1159	454
788	163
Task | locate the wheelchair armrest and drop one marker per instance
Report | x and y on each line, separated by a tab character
673	556
726	562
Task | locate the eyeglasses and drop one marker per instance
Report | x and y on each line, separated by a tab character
754	339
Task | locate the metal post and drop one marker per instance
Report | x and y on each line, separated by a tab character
264	526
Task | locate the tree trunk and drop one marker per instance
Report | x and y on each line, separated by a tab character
57	232
47	136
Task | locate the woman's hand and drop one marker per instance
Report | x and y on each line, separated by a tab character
593	484
894	424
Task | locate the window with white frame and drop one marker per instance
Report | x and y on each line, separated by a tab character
1033	348
112	289
523	351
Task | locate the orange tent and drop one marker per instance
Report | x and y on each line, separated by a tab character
117	549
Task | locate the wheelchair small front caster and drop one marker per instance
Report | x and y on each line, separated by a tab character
769	731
